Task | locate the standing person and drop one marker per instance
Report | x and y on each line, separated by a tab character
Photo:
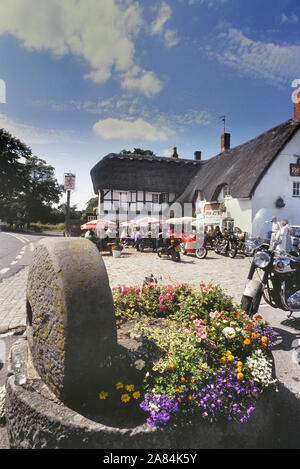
283	237
275	229
138	238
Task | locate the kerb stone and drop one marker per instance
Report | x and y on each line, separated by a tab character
71	327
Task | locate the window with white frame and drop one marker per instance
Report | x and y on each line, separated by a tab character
296	189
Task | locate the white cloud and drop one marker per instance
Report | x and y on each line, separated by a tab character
32	135
289	19
122	129
145	82
164	14
101	31
208	3
274	63
170	36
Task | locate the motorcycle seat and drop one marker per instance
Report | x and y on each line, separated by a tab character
295	258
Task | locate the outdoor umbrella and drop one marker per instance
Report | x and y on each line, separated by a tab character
148	221
183	220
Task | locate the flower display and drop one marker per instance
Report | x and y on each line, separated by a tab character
203	355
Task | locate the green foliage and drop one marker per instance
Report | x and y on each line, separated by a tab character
28	187
137	151
201	352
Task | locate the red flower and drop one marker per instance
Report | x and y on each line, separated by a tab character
249	326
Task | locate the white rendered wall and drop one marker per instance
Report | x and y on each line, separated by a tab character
277	182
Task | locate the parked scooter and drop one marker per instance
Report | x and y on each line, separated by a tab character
280	283
170	248
193	244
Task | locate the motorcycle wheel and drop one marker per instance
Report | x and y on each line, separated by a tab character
159	252
201	253
218	249
232	253
175	256
182	249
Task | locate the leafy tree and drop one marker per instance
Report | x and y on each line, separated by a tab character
13	178
42	189
91	205
137	151
74	213
27	184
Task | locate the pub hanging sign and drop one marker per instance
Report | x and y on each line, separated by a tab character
295	168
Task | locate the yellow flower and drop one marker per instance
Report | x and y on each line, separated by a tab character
223	360
119	385
230	358
228	353
240	376
240	364
103	395
247	341
125	398
238	370
129	387
264	339
136	395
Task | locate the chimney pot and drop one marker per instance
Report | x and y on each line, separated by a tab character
197	155
174	154
225	142
296	101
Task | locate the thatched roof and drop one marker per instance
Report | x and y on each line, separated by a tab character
242	167
143	172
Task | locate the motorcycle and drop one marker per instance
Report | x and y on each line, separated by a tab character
193	244
171	248
280	282
226	244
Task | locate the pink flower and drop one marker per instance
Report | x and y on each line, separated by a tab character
161	298
197	322
138	290
214	314
162	307
202	336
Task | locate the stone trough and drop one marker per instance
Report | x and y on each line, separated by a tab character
67	356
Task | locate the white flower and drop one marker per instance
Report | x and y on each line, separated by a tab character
139	364
260	368
229	332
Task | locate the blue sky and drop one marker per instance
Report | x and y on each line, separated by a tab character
88	77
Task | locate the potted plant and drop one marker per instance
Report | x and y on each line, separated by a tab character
222	209
117	248
279	203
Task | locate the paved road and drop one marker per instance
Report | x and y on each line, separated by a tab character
15	252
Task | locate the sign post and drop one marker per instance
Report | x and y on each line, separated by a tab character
69	184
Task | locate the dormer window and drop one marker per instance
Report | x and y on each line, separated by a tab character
226	191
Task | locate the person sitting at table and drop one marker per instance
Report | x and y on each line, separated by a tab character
125	238
138	239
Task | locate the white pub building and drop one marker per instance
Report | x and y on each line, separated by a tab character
242	186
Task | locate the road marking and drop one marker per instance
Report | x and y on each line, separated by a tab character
13	262
23	240
3	271
31	247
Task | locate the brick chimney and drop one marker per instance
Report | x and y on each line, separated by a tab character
225	142
174	154
197	155
296	101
